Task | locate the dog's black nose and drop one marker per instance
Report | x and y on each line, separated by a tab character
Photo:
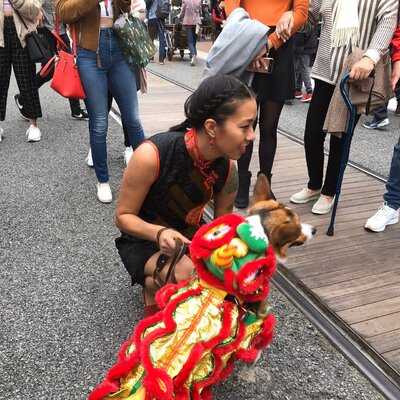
314	231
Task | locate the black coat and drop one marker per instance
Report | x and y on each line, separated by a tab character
306	43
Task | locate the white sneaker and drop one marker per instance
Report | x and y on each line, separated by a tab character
304	196
89	159
104	193
33	134
193	61
323	205
128	154
1	134
384	216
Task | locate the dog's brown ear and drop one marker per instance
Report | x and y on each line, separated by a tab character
262	190
265	205
282	236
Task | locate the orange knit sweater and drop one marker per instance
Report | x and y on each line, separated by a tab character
269	12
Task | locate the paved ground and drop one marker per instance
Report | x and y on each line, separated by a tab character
66	303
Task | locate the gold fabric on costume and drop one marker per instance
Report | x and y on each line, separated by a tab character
198	319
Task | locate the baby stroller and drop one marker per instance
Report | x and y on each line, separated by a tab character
176	39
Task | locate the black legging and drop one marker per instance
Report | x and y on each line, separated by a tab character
314	138
269	114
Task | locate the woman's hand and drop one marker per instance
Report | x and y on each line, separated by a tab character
259	62
285	25
166	241
395	74
362	69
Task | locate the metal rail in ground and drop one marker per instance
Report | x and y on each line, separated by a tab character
385	378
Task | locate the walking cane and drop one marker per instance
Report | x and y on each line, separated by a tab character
346	143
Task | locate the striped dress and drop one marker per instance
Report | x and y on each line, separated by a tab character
378	21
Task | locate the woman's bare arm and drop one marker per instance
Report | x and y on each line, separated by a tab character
141	173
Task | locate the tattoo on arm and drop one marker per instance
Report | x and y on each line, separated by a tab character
232	183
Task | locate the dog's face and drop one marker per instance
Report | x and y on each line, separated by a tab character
281	224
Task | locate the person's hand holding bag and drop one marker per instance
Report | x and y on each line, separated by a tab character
166	241
259	64
362	69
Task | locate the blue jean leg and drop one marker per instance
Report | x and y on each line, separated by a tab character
381	113
192	39
123	87
392	195
161	39
95	83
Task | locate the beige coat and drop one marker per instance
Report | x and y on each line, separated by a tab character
380	89
29	10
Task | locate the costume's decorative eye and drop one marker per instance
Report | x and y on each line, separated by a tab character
217	232
212	236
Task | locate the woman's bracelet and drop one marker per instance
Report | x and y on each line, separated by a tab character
159	235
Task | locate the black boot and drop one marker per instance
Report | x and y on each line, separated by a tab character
242	197
271	194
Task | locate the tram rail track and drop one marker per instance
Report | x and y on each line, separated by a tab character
369	362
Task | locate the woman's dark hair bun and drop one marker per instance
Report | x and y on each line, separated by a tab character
215	98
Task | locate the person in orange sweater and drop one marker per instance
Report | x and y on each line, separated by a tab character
285	18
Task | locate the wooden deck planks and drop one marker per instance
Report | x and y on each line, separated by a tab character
386	342
355	273
379	325
371	311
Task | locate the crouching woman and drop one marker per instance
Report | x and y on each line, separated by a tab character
172	176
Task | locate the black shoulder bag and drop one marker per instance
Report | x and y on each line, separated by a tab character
36	43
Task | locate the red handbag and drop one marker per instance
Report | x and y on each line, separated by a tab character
66	80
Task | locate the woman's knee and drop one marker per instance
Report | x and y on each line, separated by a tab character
98	128
184	269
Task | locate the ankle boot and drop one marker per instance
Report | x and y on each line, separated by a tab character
269	177
242	197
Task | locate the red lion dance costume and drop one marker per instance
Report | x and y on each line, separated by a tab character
204	324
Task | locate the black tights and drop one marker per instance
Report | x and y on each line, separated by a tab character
269	114
314	138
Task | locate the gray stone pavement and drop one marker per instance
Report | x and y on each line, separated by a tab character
66	304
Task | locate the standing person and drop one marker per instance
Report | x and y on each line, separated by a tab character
103	69
380	118
285	17
156	27
191	18
138	7
13	53
218	16
367	24
46	27
305	46
172	177
388	213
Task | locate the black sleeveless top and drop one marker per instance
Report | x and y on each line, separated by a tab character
178	196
